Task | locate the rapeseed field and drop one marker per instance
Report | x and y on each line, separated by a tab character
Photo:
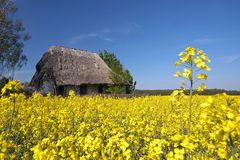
151	127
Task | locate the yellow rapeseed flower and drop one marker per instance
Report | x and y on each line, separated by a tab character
201	87
177	74
202	76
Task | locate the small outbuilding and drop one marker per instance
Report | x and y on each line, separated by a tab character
63	69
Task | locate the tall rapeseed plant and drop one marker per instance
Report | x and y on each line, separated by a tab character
194	64
11	89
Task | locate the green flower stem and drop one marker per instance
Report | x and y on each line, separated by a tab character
190	108
232	148
190	98
12	114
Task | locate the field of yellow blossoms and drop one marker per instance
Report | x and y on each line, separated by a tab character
151	127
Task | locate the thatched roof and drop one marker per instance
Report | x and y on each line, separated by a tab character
67	66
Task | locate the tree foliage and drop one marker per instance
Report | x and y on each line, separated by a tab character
12	36
120	75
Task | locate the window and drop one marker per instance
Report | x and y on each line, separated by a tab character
83	89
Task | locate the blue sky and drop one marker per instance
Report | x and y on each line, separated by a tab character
145	35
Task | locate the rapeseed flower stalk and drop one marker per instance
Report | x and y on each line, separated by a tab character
192	59
11	88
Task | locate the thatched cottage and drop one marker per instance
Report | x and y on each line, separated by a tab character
63	69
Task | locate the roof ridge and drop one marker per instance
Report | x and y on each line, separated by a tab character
68	48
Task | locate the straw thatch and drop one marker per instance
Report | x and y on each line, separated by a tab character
70	67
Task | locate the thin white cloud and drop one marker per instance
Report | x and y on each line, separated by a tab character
229	58
92	35
99	35
204	41
108	39
78	38
106	33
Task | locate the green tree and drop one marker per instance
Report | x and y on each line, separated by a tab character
12	36
120	75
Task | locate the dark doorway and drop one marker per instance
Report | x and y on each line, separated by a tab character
100	88
83	89
60	90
